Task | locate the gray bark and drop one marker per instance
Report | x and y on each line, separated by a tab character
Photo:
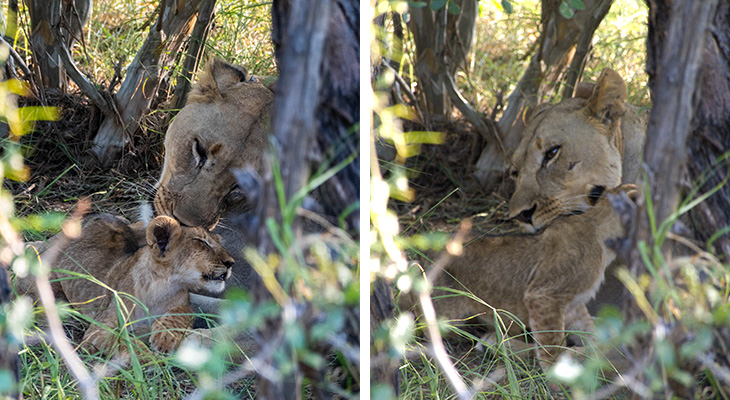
674	64
300	30
47	19
196	49
443	41
144	75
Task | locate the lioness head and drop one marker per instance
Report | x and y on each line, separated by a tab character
570	152
196	256
225	124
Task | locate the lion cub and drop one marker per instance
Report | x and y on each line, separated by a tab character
174	261
544	279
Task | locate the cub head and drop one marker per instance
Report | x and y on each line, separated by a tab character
196	257
569	154
225	124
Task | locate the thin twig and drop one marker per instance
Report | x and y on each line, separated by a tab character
57	335
16	57
429	314
439	351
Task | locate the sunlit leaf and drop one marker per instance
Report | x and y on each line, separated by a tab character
17	87
424	137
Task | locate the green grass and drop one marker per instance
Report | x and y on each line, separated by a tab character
146	374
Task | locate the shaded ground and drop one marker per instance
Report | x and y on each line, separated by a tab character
63	170
446	191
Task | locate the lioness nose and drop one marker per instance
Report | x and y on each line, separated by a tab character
526	215
228	263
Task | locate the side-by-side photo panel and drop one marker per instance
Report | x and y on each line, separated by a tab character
549	199
181	199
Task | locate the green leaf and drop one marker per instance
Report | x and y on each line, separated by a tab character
453	8
437	4
417	4
507	6
721	315
577	4
566	11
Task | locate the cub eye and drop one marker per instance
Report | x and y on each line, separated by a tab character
205	242
253	79
551	154
200	156
513	173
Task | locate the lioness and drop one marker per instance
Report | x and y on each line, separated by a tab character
174	261
573	149
540	278
224	125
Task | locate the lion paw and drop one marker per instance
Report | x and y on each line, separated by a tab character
165	341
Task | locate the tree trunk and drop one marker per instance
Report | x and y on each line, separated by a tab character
558	41
315	116
676	45
144	75
196	48
443	40
382	308
72	17
710	138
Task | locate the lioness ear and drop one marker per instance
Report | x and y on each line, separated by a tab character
631	190
218	77
584	90
607	100
533	112
161	232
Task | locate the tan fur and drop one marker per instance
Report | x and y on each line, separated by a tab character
174	261
600	143
224	125
543	279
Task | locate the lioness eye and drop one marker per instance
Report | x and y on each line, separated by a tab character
253	79
514	173
551	153
205	242
199	154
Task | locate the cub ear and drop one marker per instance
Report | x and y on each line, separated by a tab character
161	232
607	100
215	81
631	190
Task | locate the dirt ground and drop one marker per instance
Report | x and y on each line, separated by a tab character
63	169
446	190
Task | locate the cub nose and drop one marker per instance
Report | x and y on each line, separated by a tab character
526	215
